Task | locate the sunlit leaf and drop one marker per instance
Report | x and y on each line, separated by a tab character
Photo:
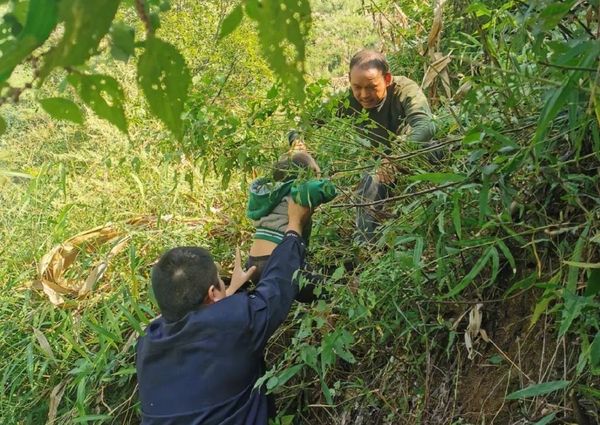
42	17
538	389
86	22
164	78
103	95
62	109
282	31
231	21
122	41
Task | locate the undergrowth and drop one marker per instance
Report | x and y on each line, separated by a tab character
479	302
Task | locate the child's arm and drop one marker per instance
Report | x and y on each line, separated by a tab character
239	276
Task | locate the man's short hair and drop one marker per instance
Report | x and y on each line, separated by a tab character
181	280
291	166
367	59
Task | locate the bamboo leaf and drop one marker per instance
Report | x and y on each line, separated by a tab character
595	351
538	389
471	275
438	177
508	255
577	252
582	265
456	218
593	284
546	419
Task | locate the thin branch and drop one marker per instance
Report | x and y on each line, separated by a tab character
140	8
573	68
399	197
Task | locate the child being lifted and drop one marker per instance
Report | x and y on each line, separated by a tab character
296	176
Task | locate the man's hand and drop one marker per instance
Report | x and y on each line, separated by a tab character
386	173
298	216
239	276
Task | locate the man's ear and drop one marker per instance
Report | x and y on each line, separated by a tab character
213	295
387	77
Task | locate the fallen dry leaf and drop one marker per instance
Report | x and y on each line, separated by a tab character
55	398
44	344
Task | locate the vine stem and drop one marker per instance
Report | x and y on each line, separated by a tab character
140	8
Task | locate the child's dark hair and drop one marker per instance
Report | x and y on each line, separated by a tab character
290	167
181	280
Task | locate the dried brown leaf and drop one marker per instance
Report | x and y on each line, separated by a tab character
437	67
436	27
44	344
55	398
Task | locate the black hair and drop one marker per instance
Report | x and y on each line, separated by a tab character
289	167
181	280
367	59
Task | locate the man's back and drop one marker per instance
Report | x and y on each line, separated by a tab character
202	368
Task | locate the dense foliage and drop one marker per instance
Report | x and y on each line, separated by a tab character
478	303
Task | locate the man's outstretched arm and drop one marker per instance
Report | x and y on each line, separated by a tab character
272	300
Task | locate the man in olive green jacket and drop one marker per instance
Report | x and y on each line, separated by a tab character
396	107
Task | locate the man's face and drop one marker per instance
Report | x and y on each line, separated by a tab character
369	85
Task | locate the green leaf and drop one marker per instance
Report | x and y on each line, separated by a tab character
438	177
508	255
595	351
338	273
525	283
576	258
581	265
546	419
42	17
552	107
553	14
122	41
287	374
86	22
2	126
572	309
471	275
103	94
456	218
593	284
282	30
164	78
540	308
231	22
62	109
538	389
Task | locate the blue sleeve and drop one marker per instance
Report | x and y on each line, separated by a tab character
275	292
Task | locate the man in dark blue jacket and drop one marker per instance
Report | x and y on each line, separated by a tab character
199	362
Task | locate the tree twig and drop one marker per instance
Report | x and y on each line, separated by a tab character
140	8
399	197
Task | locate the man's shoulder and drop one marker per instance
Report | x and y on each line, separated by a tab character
403	83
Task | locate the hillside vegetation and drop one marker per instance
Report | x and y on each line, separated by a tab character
479	303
